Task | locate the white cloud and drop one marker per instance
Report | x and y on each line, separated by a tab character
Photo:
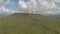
59	8
51	12
40	4
1	1
4	10
47	7
22	4
55	0
8	2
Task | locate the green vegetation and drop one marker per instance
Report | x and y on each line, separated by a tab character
29	24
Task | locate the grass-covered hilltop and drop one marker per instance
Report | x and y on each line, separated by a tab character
22	23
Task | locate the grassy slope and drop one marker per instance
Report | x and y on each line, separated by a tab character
29	24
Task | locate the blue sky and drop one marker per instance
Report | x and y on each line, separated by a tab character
58	4
13	5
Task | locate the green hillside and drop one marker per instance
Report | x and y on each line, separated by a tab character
29	24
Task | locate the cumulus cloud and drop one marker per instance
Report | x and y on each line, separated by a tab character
40	5
48	5
4	4
8	2
4	10
1	1
22	4
55	0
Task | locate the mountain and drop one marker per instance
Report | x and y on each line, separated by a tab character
24	23
4	14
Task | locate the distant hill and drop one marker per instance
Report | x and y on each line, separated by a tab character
4	15
24	23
